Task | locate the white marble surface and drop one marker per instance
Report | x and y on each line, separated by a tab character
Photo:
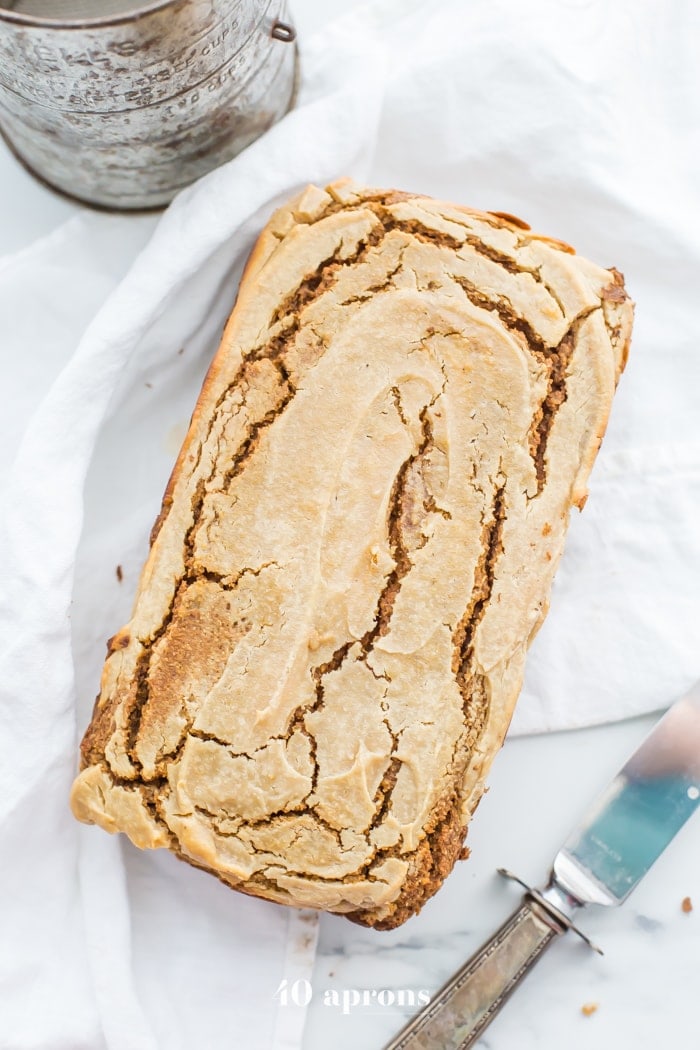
644	986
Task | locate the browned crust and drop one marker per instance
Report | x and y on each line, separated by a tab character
442	843
512	220
430	865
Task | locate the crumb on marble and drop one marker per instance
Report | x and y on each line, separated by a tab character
588	1009
120	574
686	905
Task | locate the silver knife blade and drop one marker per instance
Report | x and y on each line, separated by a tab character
632	822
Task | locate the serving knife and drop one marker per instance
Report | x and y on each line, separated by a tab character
623	832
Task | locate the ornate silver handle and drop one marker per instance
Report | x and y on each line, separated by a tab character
470	1000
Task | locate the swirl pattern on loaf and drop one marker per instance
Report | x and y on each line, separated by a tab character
356	548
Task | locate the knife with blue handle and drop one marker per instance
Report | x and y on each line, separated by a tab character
601	862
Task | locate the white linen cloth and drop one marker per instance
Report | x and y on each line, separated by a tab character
578	115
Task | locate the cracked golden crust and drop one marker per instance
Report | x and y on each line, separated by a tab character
355	549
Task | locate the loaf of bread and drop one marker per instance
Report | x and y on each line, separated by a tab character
355	550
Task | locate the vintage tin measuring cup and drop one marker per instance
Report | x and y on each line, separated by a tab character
122	103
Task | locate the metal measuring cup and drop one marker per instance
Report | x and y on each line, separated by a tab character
121	103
